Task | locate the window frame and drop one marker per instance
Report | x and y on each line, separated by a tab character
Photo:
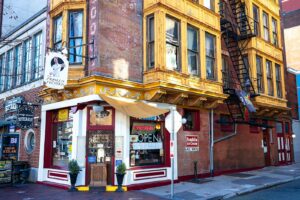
192	51
259	75
266	26
256	21
18	56
173	43
278	80
150	43
269	75
10	70
54	42
213	58
36	73
195	118
275	32
27	58
75	38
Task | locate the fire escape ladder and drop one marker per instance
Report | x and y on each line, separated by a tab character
236	31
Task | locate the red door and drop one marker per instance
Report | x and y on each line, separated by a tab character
267	153
281	143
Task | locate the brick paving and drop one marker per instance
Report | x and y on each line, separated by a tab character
42	192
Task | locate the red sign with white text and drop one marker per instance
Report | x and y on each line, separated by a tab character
192	143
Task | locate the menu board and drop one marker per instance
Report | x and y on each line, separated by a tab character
5	172
10	146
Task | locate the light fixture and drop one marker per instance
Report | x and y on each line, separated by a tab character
183	121
294	136
157	126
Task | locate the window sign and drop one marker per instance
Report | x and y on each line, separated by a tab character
146	144
10	146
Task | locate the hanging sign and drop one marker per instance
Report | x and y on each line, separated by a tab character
56	70
12	104
192	143
25	116
63	115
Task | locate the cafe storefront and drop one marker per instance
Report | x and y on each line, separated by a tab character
101	132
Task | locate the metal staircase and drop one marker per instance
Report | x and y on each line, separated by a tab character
236	32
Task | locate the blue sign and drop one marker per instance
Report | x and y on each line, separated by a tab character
118	162
92	159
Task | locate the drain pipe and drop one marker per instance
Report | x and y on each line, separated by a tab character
228	136
211	141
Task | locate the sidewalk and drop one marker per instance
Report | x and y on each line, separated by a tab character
226	186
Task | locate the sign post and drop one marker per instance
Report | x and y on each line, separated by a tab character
173	122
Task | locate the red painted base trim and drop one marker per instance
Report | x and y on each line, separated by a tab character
56	185
143	186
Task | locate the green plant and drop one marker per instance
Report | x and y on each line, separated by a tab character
73	167
121	169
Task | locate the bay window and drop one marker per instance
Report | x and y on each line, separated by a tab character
75	36
210	56
172	44
193	50
150	42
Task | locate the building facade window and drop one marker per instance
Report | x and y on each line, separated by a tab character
62	138
270	78
259	74
9	70
256	20
192	120
193	50
57	32
210	4
278	80
150	42
29	141
147	143
27	72
75	37
172	44
266	26
275	32
18	65
37	56
2	71
210	56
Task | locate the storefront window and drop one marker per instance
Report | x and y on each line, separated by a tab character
146	143
62	138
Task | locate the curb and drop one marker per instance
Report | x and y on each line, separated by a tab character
265	186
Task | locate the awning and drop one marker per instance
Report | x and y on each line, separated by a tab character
133	108
6	123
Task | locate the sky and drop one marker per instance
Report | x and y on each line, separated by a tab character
18	11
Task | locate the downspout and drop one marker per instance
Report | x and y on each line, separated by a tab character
228	136
211	141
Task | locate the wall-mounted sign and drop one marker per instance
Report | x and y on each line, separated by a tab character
192	143
63	115
10	146
25	116
56	70
119	147
12	104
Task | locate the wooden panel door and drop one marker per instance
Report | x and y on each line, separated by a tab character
281	149
98	175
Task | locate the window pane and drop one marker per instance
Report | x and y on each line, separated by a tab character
193	50
75	24
172	31
37	62
26	60
75	53
2	71
150	42
256	20
146	144
9	69
209	4
192	39
75	37
210	55
18	65
57	37
151	28
172	57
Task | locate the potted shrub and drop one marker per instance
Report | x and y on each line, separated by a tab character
74	170
121	171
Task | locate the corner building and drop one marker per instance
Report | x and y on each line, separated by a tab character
161	54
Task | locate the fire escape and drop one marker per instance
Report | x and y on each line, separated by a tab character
237	32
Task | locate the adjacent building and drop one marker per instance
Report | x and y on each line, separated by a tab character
22	52
291	25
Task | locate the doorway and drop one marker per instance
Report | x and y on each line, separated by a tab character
100	158
267	149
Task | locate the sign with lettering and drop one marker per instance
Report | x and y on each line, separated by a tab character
5	172
192	143
12	104
25	116
63	115
56	70
10	146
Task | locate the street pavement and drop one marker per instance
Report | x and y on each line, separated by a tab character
42	192
227	186
288	191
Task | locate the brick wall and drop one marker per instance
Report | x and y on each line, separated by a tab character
30	96
117	28
291	89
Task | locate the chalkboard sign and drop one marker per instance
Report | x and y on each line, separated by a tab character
10	146
5	172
